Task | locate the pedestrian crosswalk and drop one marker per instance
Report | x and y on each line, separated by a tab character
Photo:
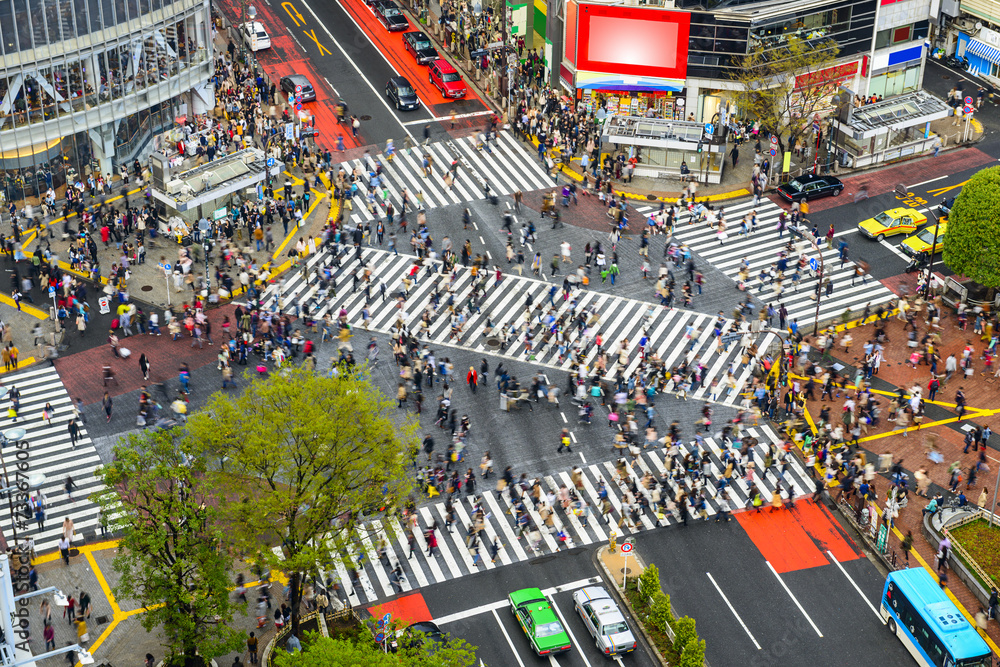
760	249
504	164
51	460
452	558
504	305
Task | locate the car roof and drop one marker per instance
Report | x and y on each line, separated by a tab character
257	26
900	211
597	598
526	594
444	66
427	627
298	79
400	81
415	34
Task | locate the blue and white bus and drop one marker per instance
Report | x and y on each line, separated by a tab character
929	624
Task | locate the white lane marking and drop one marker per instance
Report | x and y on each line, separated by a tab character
896	250
619	661
856	587
552	661
442	118
355	65
794	599
563	415
733	609
481	240
915	185
572	639
507	637
582	457
493	606
331	86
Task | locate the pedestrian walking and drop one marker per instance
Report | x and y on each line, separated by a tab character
144	366
252	648
108	404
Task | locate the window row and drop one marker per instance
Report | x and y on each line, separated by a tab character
901	34
50	90
28	24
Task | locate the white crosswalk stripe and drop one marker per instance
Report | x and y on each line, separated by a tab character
761	247
453	558
508	167
621	318
51	459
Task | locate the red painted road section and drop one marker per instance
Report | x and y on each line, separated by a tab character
407	610
391	46
284	58
798	538
916	171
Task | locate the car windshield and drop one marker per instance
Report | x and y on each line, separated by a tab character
615	628
450	77
927	236
794	185
549	629
883	218
404	90
391	11
421	44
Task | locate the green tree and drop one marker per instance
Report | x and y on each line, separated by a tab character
649	581
694	654
306	455
327	652
972	245
172	557
660	613
684	631
783	87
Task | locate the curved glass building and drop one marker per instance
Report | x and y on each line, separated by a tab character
85	84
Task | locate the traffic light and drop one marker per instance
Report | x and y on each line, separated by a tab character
701	144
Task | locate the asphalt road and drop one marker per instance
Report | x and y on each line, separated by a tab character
809	616
475	609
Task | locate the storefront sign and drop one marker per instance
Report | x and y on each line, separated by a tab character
220	213
831	75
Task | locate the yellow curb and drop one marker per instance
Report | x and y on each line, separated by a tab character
734	194
21	365
25	307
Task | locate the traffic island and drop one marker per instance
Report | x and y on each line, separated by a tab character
673	640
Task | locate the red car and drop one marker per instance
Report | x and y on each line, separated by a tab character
446	79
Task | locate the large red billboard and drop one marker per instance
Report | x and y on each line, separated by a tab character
633	41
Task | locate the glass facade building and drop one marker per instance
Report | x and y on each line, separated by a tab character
85	84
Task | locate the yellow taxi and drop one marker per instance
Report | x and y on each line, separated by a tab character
918	245
891	222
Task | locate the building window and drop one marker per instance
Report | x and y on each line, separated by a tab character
882	38
901	34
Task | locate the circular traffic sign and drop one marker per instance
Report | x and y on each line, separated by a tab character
379	638
774	152
709	128
385	619
968	100
167	266
967	109
626	547
298	107
774	139
298	90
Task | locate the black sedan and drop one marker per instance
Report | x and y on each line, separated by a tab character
401	93
419	45
390	15
810	186
291	82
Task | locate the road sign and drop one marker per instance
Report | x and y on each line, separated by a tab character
105	305
270	162
968	100
478	53
774	140
298	106
379	638
52	292
166	267
626	547
731	338
709	129
774	151
968	108
813	264
298	90
815	126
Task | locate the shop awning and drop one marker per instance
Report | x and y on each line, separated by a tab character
984	51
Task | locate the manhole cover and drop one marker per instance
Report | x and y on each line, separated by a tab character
625	570
74	551
147	288
101	620
493	343
651	197
945	77
365	117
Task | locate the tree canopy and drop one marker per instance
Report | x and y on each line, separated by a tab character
304	456
972	244
329	652
781	86
172	557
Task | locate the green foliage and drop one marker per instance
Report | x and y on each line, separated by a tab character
972	245
649	580
767	90
305	452
982	542
172	557
327	652
684	632
694	654
660	613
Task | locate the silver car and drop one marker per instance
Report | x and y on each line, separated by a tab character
605	622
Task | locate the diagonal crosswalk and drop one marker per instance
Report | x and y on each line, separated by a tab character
620	318
50	460
506	167
760	249
651	469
